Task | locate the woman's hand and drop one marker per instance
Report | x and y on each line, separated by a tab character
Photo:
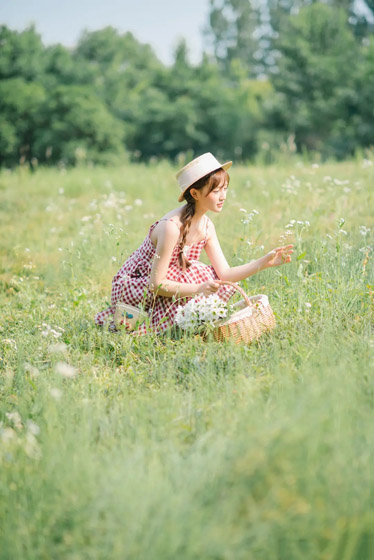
278	256
208	288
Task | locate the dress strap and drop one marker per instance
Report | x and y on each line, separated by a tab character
206	229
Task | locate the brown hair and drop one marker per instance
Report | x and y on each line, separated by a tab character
213	180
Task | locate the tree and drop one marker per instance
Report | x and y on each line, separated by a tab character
20	108
117	65
22	54
233	25
317	54
77	126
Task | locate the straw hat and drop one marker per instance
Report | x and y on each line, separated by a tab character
198	168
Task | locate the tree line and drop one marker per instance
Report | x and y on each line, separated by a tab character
281	75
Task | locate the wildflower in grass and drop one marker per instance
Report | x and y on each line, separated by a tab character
364	230
338	182
49	331
59	348
31	446
7	435
33	427
249	216
10	342
32	370
138	202
66	370
55	393
15	419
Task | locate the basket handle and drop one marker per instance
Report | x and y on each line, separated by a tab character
238	289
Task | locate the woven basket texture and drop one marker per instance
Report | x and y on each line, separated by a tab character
249	323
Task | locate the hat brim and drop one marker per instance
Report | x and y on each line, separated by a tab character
224	166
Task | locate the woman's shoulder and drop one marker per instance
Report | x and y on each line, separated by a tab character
169	221
173	216
168	226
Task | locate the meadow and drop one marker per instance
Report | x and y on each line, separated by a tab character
172	447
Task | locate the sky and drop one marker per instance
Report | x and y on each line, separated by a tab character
161	23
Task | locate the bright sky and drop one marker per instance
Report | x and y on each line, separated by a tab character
158	22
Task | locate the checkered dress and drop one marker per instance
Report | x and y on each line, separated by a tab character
131	283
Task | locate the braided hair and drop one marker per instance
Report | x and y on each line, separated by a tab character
214	179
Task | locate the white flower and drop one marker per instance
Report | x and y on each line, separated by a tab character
364	230
200	310
55	393
338	182
58	348
33	428
15	418
32	370
138	202
7	434
65	369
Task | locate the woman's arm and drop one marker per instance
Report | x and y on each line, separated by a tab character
168	236
280	255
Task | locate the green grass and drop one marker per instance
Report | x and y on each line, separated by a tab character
170	447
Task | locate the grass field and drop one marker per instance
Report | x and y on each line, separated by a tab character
171	448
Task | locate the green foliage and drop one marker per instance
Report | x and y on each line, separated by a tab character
21	104
279	77
316	81
77	126
233	25
22	54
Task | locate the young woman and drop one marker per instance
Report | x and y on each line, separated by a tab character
165	269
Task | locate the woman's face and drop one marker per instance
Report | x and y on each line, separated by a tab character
213	200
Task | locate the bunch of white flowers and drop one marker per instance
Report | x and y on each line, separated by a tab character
199	311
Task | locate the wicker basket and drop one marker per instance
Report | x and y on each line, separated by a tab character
253	319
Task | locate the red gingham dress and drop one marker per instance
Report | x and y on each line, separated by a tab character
130	284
